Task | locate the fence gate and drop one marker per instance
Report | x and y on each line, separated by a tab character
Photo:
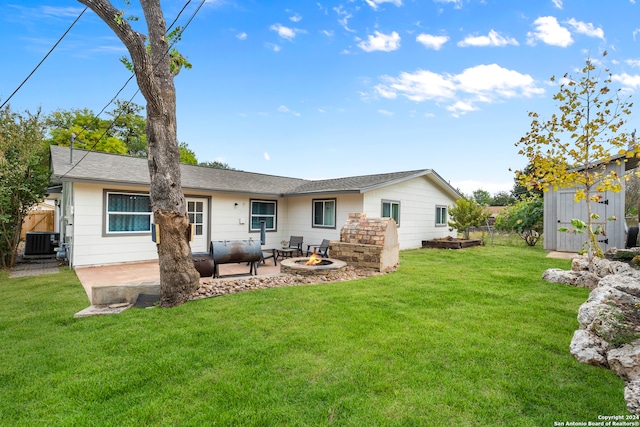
37	221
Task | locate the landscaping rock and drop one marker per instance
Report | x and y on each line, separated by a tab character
224	286
581	279
632	396
589	348
625	361
609	334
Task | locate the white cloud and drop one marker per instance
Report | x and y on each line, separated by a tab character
386	113
456	3
241	36
375	3
480	84
461	107
493	79
343	18
286	32
327	33
549	32
285	109
419	86
380	41
266	156
627	80
557	3
493	39
274	47
586	28
295	18
431	41
633	62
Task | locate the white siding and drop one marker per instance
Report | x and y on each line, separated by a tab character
229	219
418	200
231	222
300	217
89	245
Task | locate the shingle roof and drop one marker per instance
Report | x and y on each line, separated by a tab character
356	183
104	167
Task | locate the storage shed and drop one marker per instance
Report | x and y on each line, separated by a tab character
560	208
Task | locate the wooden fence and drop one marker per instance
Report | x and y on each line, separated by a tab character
37	221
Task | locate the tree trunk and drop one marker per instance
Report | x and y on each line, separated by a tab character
178	276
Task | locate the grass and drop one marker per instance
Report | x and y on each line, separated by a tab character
469	338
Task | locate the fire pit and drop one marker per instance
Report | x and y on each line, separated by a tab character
324	267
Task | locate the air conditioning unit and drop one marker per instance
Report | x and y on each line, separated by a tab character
41	243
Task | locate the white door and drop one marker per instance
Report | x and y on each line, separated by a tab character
197	211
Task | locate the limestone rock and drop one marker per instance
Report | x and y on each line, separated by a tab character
601	267
625	361
632	396
589	348
581	279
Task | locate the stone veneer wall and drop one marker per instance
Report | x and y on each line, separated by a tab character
368	243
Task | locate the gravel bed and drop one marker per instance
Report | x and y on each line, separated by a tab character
216	287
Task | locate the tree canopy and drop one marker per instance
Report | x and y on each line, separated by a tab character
572	148
123	133
465	214
24	174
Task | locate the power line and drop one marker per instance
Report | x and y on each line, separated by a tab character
45	57
182	30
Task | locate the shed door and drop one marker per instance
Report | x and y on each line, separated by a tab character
567	210
197	211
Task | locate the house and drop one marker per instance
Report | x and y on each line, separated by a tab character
560	208
105	214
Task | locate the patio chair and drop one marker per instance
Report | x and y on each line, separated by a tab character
269	253
295	242
321	249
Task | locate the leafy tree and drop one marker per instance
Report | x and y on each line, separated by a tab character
466	213
128	125
187	155
525	218
216	165
24	174
482	197
123	134
521	191
155	65
502	198
632	195
572	148
87	131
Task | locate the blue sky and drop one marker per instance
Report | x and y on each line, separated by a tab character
322	89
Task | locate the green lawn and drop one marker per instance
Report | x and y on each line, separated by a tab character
453	338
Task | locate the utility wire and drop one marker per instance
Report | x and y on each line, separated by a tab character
45	57
91	149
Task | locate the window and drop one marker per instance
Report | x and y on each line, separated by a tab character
263	210
441	215
128	213
324	213
391	209
195	210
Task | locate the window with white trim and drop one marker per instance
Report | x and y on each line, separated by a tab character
391	209
263	210
195	211
324	213
441	216
128	213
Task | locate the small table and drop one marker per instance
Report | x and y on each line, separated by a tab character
286	253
